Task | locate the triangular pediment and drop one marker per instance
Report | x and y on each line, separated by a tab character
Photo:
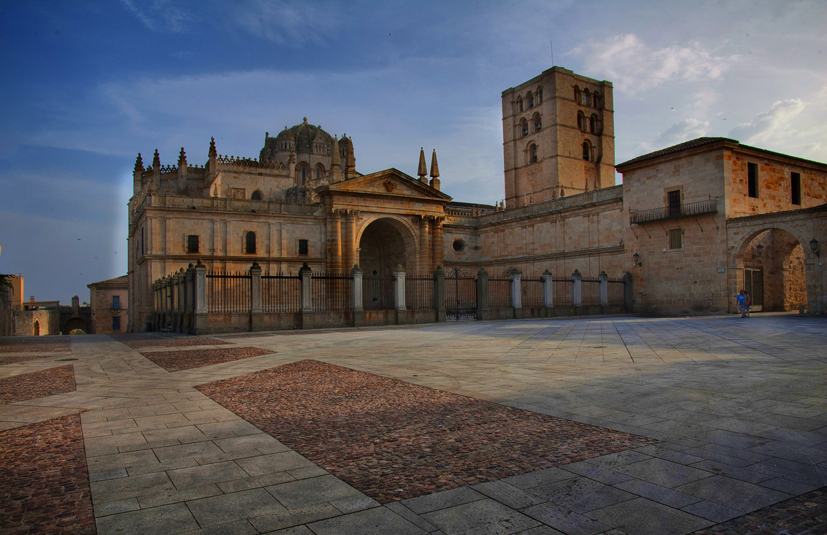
388	182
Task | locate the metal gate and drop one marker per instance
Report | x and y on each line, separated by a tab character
460	295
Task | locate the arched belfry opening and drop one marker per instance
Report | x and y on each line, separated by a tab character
773	271
385	244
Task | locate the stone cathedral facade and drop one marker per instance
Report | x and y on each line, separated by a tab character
679	224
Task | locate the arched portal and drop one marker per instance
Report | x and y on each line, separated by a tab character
385	244
75	324
773	271
36	328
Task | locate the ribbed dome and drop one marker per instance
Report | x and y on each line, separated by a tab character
305	135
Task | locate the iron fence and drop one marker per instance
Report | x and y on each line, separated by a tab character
563	292
419	292
377	293
331	292
532	293
499	293
280	293
228	292
590	292
460	295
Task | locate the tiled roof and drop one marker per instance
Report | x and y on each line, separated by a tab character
123	280
699	142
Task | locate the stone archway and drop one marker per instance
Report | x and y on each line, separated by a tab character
770	265
384	244
74	324
36	331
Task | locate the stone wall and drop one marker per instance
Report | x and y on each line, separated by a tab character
48	321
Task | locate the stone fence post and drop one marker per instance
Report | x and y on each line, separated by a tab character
604	289
255	297
180	298
576	291
483	311
548	291
399	288
189	290
305	276
516	293
439	293
356	294
200	323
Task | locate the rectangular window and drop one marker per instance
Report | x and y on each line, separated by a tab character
116	302
192	243
752	177
676	239
116	323
674	203
795	188
303	249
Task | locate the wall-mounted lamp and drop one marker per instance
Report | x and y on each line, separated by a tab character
814	247
759	249
636	258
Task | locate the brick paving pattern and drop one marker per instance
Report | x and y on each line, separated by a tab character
34	345
22	358
802	515
143	341
44	485
394	440
37	384
175	361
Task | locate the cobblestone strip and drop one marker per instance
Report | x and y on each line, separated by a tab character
32	345
805	514
394	440
44	485
37	384
174	361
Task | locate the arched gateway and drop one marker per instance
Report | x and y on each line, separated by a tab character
385	244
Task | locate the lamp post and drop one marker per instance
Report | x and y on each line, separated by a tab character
814	247
636	258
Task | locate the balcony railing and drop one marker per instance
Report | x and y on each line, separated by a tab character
709	206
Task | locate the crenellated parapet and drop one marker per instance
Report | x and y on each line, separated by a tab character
250	162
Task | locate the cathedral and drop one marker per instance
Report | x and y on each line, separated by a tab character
685	224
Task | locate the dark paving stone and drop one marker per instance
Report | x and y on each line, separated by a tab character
664	473
378	521
581	494
645	517
732	493
484	516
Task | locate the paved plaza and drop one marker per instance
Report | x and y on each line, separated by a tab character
734	412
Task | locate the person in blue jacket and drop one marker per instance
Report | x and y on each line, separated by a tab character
743	303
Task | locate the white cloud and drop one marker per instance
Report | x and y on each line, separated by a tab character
291	23
776	123
634	67
681	131
159	15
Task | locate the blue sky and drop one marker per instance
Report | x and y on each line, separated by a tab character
88	85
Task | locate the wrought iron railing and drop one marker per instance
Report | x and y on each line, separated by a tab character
709	206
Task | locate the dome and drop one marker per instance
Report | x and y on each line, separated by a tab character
305	135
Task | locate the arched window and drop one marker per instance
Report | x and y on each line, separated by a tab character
538	123
256	196
304	175
523	127
593	124
539	94
577	94
596	100
36	330
532	153
519	104
587	151
250	243
529	100
586	97
581	121
319	171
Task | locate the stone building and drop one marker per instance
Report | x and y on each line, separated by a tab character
109	301
675	224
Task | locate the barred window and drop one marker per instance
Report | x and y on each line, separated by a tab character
250	243
303	247
676	239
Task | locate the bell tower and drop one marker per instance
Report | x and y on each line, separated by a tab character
558	137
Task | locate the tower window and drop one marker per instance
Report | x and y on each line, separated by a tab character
795	188
586	98
752	179
596	100
581	121
250	243
520	104
578	95
192	243
539	94
587	152
303	247
538	123
593	124
523	127
256	196
304	175
532	151
530	100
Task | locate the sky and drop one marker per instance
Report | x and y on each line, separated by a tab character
87	85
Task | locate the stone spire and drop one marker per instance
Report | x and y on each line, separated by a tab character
139	164
350	162
156	172
434	172
212	166
182	171
138	175
422	171
156	161
336	166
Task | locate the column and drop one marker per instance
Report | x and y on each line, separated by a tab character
436	245
424	246
399	288
604	289
350	240
517	293
305	274
190	306
358	306
334	241
577	296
